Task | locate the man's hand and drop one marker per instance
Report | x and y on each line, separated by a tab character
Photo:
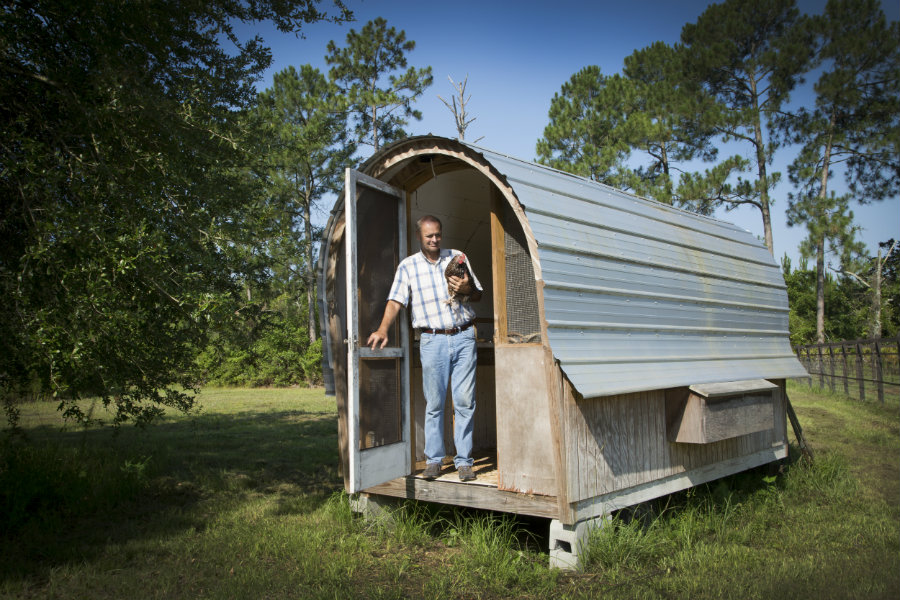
379	338
460	285
463	286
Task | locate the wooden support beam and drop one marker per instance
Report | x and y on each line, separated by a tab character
798	431
498	265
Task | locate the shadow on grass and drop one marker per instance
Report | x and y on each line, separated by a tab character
66	496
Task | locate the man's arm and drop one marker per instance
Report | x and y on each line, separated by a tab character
380	336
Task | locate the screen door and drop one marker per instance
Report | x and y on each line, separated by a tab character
378	380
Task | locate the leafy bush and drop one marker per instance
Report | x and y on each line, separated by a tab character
270	347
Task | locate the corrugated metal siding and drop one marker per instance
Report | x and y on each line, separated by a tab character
641	296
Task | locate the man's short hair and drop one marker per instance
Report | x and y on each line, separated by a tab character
428	219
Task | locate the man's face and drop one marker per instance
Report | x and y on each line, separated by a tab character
430	238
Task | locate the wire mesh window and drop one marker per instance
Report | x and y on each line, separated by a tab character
523	323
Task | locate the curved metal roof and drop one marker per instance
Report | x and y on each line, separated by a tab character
639	295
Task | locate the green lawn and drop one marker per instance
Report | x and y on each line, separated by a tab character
243	500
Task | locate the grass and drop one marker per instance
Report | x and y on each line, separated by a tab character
243	499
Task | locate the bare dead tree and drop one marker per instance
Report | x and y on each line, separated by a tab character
875	286
457	106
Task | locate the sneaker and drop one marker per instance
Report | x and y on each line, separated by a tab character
465	473
432	471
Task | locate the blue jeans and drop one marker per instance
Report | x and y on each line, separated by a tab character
448	358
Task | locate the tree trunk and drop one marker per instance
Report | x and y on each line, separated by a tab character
762	173
375	140
820	243
876	299
766	216
310	271
820	291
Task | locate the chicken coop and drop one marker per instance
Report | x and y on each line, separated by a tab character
626	349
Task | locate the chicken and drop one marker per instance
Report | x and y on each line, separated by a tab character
456	268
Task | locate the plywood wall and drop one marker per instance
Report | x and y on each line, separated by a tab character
524	438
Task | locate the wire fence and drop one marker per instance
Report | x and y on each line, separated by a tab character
856	367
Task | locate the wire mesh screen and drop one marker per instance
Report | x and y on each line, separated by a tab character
523	323
379	402
377	244
377	255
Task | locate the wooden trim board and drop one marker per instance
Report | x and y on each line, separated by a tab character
733	388
462	494
498	253
607	503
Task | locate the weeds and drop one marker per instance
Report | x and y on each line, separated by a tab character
828	477
627	544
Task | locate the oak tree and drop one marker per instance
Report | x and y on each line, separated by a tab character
123	191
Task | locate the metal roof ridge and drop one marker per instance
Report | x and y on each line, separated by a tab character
659	239
591	182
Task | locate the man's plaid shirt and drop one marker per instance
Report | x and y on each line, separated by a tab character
423	282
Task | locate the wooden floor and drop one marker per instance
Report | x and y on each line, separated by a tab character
482	493
485	469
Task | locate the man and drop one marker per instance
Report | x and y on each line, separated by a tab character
446	343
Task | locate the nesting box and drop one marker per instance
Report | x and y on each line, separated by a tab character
626	349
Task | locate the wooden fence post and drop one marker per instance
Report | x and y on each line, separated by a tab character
799	351
876	357
831	366
860	375
808	365
898	356
821	368
846	370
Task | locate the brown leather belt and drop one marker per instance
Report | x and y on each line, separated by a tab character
452	331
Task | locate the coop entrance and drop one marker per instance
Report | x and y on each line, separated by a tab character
385	403
478	220
461	199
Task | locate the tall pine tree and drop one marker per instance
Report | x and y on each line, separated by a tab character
302	118
749	56
583	135
369	70
853	124
668	119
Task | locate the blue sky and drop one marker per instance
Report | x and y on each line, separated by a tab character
517	55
